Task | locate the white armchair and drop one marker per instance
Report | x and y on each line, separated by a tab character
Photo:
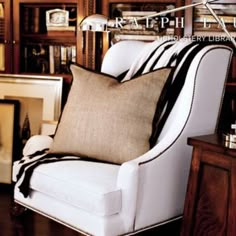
99	198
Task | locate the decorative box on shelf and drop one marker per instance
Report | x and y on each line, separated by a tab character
57	20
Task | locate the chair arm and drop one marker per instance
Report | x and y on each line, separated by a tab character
34	144
37	143
153	188
128	182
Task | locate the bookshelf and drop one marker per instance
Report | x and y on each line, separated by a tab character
5	36
40	49
24	34
34	41
138	8
204	23
145	30
200	22
45	49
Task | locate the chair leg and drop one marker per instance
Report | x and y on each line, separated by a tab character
17	209
20	219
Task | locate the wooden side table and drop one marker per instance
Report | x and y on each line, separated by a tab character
210	204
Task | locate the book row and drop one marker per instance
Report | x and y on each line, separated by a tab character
52	59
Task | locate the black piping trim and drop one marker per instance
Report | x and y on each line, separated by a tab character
153	225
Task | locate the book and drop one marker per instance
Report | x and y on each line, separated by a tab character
213	34
2	57
25	58
36	20
211	19
69	54
61	33
2	21
2	29
33	19
136	14
51	60
57	58
119	37
136	32
60	57
61	28
212	26
1	10
64	61
26	20
73	53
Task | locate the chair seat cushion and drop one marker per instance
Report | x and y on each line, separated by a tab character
90	186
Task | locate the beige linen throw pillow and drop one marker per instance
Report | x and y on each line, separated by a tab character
108	120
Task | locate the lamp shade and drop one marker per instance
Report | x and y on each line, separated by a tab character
95	22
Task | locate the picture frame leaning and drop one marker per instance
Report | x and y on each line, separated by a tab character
9	138
40	97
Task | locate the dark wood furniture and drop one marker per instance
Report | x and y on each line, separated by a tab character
6	42
24	26
33	40
211	193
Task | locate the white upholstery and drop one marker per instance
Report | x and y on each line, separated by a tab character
122	61
97	194
103	199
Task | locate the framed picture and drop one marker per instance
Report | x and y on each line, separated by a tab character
9	138
39	97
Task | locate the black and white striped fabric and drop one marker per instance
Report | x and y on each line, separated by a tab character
151	50
29	163
158	54
166	52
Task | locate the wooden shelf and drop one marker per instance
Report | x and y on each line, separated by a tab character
45	38
231	88
210	198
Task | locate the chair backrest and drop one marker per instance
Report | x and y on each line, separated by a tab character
199	104
209	68
120	56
